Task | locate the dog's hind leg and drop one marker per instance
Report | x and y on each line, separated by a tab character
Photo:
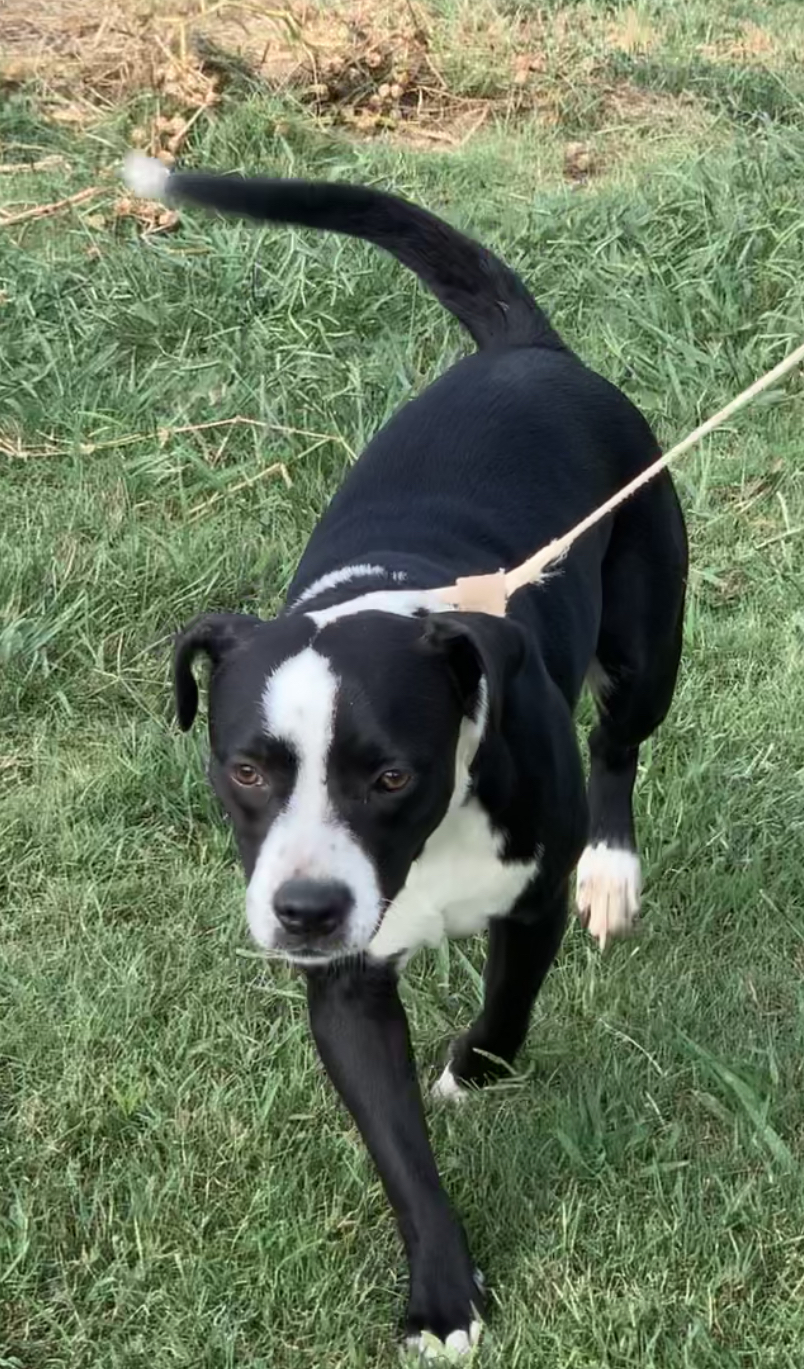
633	680
521	949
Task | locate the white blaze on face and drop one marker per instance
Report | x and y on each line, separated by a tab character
307	840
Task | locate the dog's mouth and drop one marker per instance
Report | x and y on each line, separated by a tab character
323	948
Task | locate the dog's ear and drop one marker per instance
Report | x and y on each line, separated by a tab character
216	634
478	646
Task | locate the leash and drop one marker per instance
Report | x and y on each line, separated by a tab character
490	593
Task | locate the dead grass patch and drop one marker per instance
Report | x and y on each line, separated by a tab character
366	66
86	61
632	32
751	45
391	67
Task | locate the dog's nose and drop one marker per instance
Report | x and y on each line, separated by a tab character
312	907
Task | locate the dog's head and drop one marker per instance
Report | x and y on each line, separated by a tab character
337	752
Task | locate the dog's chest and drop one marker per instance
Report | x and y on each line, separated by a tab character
458	884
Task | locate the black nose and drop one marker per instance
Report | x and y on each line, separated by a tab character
312	907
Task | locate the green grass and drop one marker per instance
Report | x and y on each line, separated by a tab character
179	1187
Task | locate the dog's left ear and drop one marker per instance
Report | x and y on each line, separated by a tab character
216	634
478	646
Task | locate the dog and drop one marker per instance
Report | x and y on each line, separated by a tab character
396	770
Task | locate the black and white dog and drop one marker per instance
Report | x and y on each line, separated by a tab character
395	771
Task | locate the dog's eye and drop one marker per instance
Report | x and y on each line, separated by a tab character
246	775
392	781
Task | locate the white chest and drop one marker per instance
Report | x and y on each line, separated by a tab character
458	884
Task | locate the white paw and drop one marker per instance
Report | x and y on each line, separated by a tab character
447	1089
457	1344
609	883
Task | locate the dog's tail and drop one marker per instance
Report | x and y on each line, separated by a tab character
484	295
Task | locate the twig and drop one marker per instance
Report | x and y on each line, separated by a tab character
238	421
434	71
437	135
476	126
181	137
43	211
418	21
781	537
9	448
165	433
278	468
46	164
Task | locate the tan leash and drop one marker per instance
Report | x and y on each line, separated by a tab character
490	593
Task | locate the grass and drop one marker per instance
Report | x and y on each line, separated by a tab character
179	1186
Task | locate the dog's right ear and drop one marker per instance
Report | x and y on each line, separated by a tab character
216	634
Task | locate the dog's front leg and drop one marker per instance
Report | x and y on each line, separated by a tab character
362	1036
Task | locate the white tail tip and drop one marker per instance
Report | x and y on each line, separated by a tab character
146	176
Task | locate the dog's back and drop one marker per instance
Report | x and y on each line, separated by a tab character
506	451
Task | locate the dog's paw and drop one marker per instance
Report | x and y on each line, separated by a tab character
447	1089
445	1309
609	884
451	1350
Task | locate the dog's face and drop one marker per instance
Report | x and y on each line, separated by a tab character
337	752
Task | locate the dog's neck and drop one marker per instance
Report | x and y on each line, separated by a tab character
387	583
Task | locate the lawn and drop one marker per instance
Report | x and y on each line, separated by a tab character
179	1185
